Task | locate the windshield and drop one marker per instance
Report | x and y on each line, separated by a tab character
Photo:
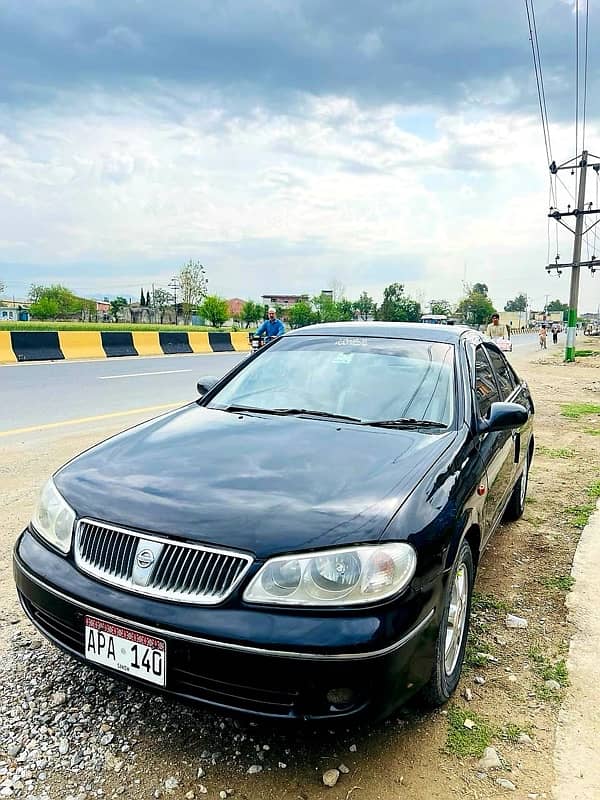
365	378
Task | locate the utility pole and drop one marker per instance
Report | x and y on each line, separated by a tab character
579	213
175	285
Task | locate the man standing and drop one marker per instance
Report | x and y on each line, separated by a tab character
271	327
495	330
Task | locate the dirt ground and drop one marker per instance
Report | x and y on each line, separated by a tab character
417	755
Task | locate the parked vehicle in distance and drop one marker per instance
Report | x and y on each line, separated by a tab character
300	542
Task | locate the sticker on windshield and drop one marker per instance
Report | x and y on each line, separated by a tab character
355	341
343	358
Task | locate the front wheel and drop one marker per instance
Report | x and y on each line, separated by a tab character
453	631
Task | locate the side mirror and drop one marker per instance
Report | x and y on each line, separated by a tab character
502	417
206	383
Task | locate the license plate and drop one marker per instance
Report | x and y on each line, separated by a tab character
125	650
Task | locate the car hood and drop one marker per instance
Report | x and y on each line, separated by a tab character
261	484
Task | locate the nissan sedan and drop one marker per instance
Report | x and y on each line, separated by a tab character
302	540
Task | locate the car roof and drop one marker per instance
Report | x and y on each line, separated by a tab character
389	330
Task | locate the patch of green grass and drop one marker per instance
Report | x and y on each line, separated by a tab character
585	353
511	732
555	452
100	326
580	514
576	410
487	602
463	741
530	500
592	431
594	490
556	672
564	583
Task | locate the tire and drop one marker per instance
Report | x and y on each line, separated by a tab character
452	639
516	504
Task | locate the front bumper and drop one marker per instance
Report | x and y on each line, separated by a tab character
209	662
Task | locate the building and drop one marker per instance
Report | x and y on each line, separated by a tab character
235	306
284	300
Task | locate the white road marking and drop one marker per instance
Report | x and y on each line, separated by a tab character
139	374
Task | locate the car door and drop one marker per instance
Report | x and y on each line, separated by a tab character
496	448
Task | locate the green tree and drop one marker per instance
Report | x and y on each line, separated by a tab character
398	307
193	287
556	305
215	309
345	309
326	309
301	314
518	304
116	305
251	312
35	292
476	307
142	298
440	307
364	305
480	288
44	308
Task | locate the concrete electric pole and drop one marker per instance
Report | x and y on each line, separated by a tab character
579	213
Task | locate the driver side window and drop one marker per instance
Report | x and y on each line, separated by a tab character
486	389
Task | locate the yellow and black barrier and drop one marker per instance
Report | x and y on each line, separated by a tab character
18	346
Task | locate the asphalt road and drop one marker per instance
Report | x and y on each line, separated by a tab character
57	394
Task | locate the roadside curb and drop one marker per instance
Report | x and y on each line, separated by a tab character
576	750
24	346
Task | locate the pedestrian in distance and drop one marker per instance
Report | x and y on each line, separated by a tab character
554	330
543	335
495	330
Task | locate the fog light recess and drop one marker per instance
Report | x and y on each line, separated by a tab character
340	697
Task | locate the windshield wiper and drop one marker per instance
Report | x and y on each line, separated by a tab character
291	412
284	412
404	422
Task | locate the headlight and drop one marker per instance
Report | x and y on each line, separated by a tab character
348	576
53	518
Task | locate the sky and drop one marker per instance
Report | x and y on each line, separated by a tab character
290	144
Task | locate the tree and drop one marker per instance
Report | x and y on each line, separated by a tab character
148	299
556	305
476	307
301	314
161	300
193	286
116	305
58	301
345	310
440	307
480	288
326	309
364	305
518	304
338	290
215	309
44	308
397	307
251	312
142	298
35	292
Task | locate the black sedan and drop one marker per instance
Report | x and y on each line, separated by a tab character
300	542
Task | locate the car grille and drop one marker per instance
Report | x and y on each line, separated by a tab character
157	567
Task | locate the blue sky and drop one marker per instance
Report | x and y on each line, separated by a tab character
285	144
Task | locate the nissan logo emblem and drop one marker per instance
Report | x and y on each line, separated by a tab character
145	559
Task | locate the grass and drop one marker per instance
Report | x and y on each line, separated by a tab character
563	583
592	431
487	602
585	353
511	732
580	514
594	490
548	670
577	410
100	326
555	452
463	741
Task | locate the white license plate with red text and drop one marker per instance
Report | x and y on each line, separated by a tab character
125	650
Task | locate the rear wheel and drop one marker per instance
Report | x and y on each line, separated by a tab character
516	504
453	631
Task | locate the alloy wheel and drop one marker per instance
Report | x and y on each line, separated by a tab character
457	616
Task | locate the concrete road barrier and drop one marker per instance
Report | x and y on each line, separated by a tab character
60	345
